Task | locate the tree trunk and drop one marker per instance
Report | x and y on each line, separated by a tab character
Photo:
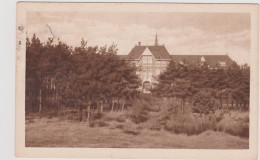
112	106
232	103
236	103
123	105
57	101
98	105
227	103
183	105
76	106
88	119
221	102
40	101
101	105
118	106
80	112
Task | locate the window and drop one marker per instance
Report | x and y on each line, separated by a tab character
222	64
144	59
149	59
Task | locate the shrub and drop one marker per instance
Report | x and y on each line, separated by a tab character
102	124
153	124
131	131
139	127
244	132
120	119
234	127
203	103
153	108
120	126
73	117
108	118
188	124
96	115
139	114
98	124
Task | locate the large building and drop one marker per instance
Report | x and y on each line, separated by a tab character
152	60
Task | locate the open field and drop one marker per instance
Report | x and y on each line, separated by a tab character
44	132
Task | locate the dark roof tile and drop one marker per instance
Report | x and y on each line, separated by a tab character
159	52
136	52
212	60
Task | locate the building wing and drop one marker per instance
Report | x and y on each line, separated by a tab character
212	60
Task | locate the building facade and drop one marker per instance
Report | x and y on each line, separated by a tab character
150	61
154	59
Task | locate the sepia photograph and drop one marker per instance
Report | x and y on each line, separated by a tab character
137	78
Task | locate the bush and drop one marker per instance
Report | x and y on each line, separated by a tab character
244	132
120	119
98	124
120	126
203	103
139	114
102	124
153	108
234	127
188	124
131	131
96	115
153	124
108	118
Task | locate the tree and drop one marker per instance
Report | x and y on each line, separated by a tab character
203	103
174	82
34	49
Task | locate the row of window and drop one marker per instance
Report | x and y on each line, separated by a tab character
149	60
148	72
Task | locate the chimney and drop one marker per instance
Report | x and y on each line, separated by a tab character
156	40
139	43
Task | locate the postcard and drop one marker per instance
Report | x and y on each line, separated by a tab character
136	80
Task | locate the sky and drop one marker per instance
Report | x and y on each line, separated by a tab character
187	33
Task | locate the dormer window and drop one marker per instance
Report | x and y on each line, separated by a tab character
202	60
222	63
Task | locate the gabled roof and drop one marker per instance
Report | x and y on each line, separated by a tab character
159	52
212	60
136	52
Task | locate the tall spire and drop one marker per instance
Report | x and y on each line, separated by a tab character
156	40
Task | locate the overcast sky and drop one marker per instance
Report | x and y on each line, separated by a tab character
181	33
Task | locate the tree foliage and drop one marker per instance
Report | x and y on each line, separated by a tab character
60	74
189	81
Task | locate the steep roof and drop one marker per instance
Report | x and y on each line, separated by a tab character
159	52
212	60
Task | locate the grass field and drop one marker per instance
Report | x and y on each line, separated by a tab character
44	132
